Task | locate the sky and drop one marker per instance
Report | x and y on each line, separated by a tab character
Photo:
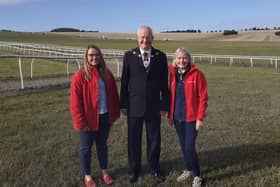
128	15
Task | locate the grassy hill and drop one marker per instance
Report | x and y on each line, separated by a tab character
207	43
243	36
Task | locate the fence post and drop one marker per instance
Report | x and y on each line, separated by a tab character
251	61
67	67
118	68
78	62
20	72
230	61
31	68
276	63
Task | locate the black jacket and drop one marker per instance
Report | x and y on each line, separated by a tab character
144	93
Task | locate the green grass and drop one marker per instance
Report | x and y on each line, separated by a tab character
9	67
238	147
210	47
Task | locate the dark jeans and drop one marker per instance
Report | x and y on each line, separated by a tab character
187	136
100	137
135	126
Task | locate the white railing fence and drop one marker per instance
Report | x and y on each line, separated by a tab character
113	57
113	63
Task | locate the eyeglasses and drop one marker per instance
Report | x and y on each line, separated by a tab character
93	54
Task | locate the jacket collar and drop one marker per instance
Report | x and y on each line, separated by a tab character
192	68
137	52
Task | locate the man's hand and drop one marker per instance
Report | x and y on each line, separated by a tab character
162	113
124	111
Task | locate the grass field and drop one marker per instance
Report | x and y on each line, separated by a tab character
9	67
200	46
240	146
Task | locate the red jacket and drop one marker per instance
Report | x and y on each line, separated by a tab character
195	94
84	99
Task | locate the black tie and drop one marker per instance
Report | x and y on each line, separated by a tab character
146	60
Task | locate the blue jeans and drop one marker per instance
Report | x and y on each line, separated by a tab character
187	136
100	137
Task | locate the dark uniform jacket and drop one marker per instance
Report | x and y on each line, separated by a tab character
144	92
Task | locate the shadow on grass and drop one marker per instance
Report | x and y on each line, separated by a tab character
232	161
216	164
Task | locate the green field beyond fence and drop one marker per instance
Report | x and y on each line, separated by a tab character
207	47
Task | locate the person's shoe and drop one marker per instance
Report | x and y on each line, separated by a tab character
107	179
186	174
133	177
158	177
197	182
90	183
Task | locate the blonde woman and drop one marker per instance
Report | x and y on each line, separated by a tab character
94	106
188	103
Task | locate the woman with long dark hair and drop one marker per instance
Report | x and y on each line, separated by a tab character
94	106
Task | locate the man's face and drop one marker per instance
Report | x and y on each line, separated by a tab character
144	38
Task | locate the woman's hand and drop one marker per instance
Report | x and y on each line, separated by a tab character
171	123
85	129
199	124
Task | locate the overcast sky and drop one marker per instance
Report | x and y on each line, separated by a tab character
127	15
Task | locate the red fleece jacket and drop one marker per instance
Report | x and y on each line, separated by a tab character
84	99
195	94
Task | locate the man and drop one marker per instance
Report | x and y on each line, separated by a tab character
144	98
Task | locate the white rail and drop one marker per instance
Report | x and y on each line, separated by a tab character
68	58
53	50
42	51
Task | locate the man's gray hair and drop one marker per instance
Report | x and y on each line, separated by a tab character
145	27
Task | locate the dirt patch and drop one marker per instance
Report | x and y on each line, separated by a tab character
13	86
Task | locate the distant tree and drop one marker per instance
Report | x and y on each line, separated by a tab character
230	32
182	31
65	29
277	33
5	30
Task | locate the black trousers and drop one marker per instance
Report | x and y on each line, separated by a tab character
135	126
